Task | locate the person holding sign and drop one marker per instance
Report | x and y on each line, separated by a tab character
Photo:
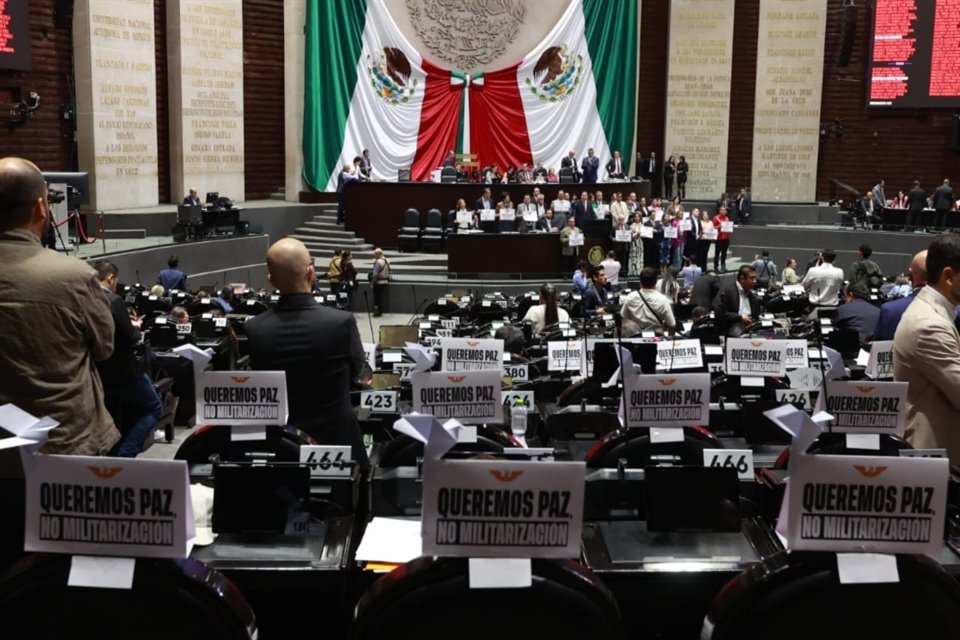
56	322
571	239
926	353
621	238
464	217
736	306
724	226
317	347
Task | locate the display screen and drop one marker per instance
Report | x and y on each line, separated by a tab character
14	35
915	54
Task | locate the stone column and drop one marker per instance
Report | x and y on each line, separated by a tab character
205	53
116	101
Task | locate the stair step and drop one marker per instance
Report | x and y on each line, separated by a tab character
327	233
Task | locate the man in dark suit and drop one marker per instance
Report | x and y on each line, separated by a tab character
744	206
540	173
318	348
856	313
366	169
615	168
649	169
736	306
705	290
451	160
570	162
485	201
548	223
942	203
128	392
192	198
580	209
891	312
590	166
916	203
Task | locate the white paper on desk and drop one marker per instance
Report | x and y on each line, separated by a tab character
390	540
751	381
423	358
867	568
29	431
102	572
500	573
863	358
247	432
666	434
869	441
199	357
837	370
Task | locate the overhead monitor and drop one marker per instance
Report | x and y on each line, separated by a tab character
913	54
77	182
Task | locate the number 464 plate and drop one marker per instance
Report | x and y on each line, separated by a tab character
739	459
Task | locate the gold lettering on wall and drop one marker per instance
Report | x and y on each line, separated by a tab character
786	122
698	91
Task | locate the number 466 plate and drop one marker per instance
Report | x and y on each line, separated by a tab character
739	459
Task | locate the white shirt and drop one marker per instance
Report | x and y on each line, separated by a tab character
561	206
612	268
536	313
744	301
824	284
635	310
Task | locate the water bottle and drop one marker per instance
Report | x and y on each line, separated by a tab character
518	423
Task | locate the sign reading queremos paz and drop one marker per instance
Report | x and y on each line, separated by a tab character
108	506
669	400
755	357
866	406
471	396
679	354
242	397
481	508
467	354
867	503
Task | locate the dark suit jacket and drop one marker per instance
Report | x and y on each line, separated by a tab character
593	299
726	308
916	200
590	166
478	205
543	226
121	367
191	201
943	197
612	168
704	291
319	349
580	211
890	314
859	315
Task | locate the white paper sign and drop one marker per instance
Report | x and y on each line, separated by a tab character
508	214
108	507
709	233
739	459
370	354
575	240
530	215
679	354
686	225
464	217
670	232
866	503
488	215
646	232
326	461
675	400
726	227
379	401
755	357
865	406
808	378
469	396
623	235
880	362
469	354
494	508
242	397
564	355
795	356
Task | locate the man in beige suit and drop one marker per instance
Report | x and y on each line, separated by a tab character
926	353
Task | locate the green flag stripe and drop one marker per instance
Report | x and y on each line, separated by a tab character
460	121
333	42
611	31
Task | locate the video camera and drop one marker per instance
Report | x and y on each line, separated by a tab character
55	196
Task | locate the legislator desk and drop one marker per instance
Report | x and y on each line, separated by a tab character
897	218
531	254
374	210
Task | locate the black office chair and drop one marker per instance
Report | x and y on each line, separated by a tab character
573	425
444	310
282	444
448	175
635	446
201	306
169	599
403	450
408	236
565	175
798	595
252	307
152	306
835	444
433	234
566	600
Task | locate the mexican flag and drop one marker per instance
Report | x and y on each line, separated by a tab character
368	88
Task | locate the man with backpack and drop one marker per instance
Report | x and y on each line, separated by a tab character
766	270
865	271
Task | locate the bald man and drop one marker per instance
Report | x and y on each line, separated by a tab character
54	322
318	348
891	312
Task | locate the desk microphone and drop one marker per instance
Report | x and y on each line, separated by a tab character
137	271
366	301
